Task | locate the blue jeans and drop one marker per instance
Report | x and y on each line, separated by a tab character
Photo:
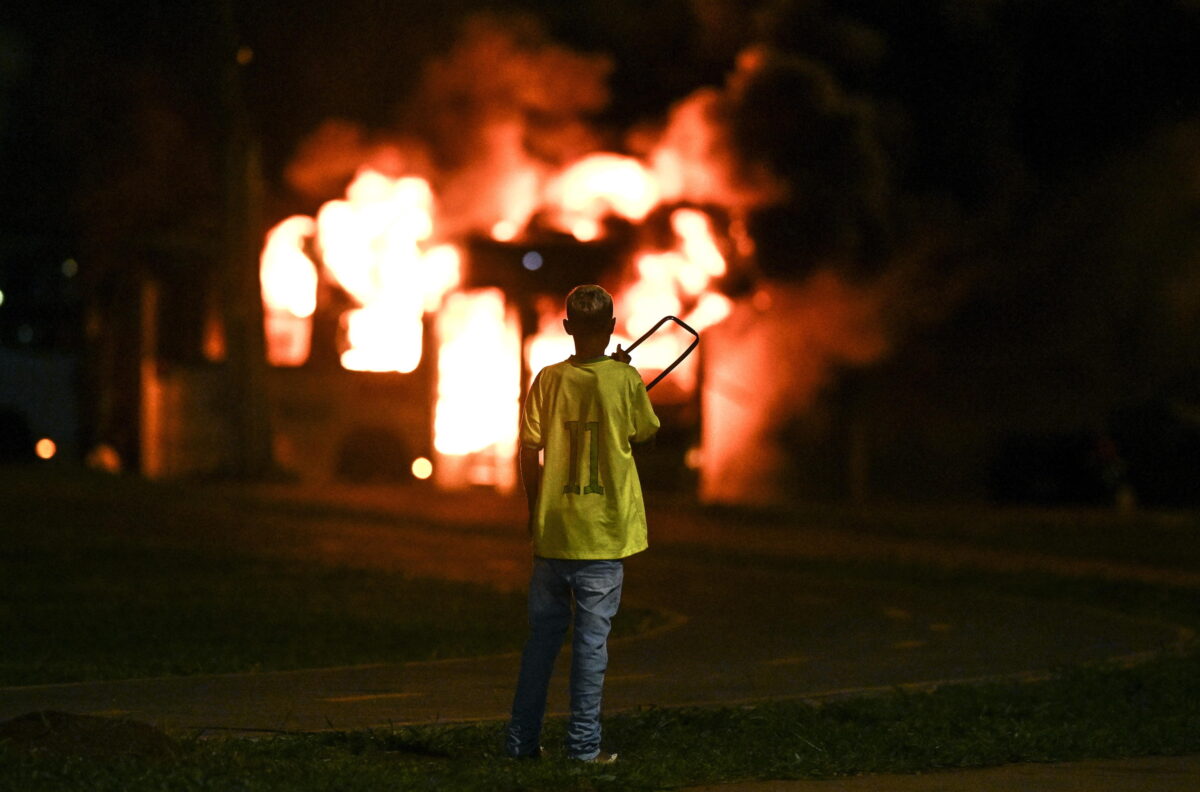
596	588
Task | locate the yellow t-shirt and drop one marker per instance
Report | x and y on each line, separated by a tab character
584	416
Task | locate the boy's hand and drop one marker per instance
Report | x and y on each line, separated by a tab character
621	356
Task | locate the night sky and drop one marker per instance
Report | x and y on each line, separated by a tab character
1032	167
959	89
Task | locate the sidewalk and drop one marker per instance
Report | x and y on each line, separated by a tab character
1144	774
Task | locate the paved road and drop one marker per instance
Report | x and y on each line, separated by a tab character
739	631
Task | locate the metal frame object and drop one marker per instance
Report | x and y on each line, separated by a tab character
679	359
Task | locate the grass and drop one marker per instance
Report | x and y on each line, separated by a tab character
118	614
1091	712
1095	712
85	596
149	582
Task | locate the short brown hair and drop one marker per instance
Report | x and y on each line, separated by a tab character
589	307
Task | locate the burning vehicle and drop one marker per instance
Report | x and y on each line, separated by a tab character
405	318
414	350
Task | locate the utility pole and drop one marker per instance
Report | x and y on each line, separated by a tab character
242	226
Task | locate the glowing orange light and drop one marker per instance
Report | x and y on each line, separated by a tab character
621	183
479	385
703	259
382	337
710	310
104	457
598	185
46	448
650	298
371	244
440	272
586	230
422	468
550	344
505	231
675	282
288	275
382	245
506	192
289	290
375	245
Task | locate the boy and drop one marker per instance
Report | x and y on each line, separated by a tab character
585	515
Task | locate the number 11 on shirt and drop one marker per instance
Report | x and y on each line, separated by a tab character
593	430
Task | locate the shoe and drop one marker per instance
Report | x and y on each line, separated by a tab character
601	758
537	754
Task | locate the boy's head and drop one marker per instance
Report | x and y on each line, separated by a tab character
589	312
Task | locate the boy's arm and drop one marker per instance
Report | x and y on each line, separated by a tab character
531	477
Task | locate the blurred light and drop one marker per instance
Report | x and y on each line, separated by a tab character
1	298
586	230
532	261
104	457
46	448
70	268
505	231
244	55
694	458
478	388
741	238
213	338
25	334
422	468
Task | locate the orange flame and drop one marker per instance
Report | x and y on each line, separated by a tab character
372	244
680	278
767	364
549	344
677	282
289	288
502	105
478	389
601	184
376	244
